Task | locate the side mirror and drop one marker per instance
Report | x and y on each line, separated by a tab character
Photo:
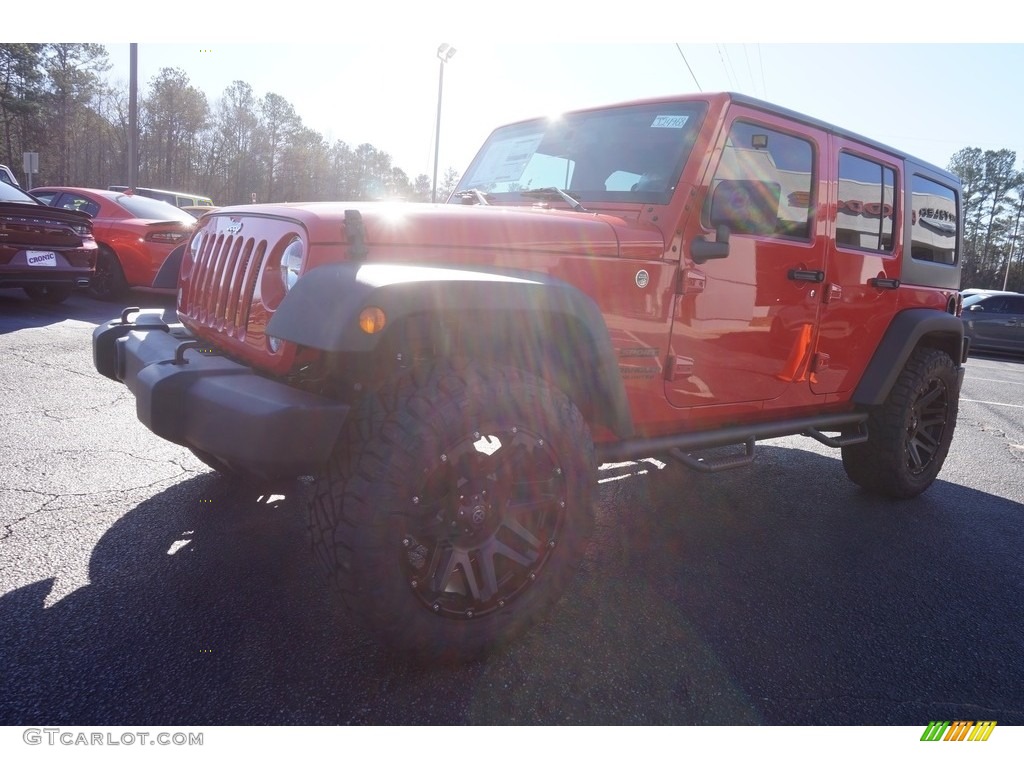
702	250
976	308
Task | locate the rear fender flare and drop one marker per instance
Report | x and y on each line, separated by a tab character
908	330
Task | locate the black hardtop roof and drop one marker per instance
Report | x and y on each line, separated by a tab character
767	106
740	98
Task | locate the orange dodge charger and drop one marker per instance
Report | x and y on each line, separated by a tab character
134	234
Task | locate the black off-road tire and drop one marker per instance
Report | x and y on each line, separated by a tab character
108	282
455	508
910	433
48	294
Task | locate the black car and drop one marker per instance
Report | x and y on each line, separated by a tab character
995	321
45	251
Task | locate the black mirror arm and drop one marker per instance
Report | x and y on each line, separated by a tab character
702	250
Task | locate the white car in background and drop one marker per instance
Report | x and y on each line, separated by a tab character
6	174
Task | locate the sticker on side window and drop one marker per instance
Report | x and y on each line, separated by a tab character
669	121
41	258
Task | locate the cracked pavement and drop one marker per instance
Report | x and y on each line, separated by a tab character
136	587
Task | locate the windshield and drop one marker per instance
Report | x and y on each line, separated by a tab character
622	154
148	208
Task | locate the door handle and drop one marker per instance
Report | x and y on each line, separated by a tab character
884	282
807	275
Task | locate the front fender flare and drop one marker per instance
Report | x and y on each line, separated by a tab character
167	275
322	310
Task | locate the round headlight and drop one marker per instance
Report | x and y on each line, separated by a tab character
291	263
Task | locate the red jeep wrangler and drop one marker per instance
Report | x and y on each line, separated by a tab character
666	276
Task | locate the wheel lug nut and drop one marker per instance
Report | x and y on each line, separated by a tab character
476	435
415	499
515	430
406	542
540	442
501	603
561	504
469	614
558	470
444	457
414	583
551	544
436	607
533	577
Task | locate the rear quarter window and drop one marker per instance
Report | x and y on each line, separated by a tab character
933	221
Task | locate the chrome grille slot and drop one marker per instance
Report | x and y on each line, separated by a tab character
199	276
191	291
222	286
206	281
235	289
245	304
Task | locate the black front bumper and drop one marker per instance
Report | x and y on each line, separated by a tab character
191	396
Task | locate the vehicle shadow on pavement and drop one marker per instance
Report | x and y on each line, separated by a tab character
17	311
726	599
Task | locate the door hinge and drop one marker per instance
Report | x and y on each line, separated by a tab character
691	281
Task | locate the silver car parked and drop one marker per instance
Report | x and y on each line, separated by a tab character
995	321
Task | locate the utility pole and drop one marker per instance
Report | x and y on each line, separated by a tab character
133	116
444	53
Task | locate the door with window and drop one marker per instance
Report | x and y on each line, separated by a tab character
744	325
859	293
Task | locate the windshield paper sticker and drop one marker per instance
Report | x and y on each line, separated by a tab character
669	121
505	160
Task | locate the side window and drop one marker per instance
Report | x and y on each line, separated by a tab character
933	221
46	197
865	213
1004	305
764	184
77	203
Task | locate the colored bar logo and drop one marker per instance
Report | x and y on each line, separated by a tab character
958	730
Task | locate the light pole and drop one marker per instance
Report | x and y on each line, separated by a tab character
444	53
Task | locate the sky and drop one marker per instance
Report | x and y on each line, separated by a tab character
371	74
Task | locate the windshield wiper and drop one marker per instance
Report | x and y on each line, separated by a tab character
473	196
554	192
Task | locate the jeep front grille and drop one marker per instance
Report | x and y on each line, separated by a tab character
223	281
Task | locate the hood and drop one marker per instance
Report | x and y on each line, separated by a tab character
393	226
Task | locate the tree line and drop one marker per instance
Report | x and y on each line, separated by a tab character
55	100
993	200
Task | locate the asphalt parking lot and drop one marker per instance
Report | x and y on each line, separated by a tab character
137	587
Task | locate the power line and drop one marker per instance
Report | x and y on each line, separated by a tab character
750	72
764	88
730	73
688	67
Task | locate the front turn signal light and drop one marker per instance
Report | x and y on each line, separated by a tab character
372	320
